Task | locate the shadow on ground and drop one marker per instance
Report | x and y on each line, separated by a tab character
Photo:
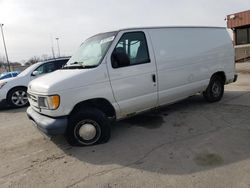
4	107
185	137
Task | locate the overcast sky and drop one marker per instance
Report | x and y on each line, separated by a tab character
31	24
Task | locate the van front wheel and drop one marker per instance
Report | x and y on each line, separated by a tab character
88	127
215	89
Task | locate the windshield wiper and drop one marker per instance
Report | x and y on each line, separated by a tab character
88	66
73	67
78	65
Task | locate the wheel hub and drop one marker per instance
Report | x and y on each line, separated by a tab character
87	131
19	98
216	89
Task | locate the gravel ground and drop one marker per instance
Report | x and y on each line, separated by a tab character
187	144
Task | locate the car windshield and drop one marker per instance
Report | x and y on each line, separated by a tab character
92	51
27	70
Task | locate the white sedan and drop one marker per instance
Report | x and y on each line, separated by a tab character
14	90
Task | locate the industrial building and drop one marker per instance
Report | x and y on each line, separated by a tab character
240	25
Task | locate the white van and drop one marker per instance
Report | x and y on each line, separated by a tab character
118	74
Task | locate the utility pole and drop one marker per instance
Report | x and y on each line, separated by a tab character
57	40
6	54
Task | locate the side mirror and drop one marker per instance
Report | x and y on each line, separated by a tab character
35	73
120	59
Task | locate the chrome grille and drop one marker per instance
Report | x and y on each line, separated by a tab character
33	99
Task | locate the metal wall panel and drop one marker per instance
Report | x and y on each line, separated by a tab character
238	19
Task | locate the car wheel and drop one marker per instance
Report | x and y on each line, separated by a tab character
88	127
215	89
17	97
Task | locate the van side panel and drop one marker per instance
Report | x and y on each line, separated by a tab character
187	58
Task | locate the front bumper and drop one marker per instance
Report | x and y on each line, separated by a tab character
48	125
3	94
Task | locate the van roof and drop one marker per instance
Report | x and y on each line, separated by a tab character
163	27
160	27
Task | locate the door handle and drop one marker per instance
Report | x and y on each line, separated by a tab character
153	78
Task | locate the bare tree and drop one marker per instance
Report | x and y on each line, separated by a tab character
32	60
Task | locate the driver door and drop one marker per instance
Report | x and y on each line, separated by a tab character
133	79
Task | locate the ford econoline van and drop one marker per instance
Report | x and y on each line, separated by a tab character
117	74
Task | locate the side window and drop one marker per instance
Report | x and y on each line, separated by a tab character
242	36
131	49
46	68
60	64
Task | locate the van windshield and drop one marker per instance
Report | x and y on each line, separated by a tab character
91	52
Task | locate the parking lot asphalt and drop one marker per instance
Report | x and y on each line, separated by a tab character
188	144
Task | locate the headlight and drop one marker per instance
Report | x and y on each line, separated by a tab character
42	102
2	84
53	102
49	102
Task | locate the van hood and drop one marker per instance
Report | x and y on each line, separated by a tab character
65	79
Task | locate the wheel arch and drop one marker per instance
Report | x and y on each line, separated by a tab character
13	88
221	74
100	103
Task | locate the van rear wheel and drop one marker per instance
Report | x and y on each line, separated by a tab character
215	89
88	127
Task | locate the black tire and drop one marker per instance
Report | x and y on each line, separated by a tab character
88	117
215	89
17	97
